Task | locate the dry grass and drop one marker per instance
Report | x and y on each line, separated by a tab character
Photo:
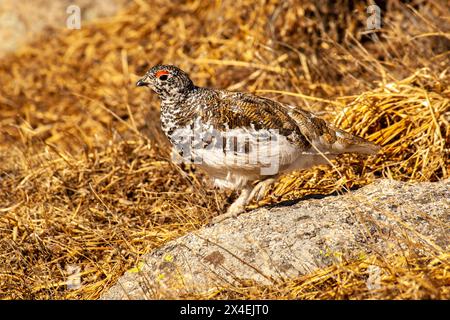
81	184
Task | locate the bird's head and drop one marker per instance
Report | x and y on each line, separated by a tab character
168	81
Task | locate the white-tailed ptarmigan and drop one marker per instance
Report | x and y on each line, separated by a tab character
240	138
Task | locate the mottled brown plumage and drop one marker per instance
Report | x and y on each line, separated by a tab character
242	110
240	137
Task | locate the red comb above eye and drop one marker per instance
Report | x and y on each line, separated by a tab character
161	73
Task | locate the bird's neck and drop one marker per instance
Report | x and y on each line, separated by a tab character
175	97
177	110
172	101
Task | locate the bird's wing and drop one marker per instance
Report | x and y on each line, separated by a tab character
300	127
233	110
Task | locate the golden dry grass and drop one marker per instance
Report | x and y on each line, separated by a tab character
85	175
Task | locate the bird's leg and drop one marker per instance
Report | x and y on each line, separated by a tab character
259	190
247	195
236	208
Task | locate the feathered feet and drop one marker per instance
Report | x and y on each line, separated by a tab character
247	195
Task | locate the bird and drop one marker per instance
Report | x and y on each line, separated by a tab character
243	141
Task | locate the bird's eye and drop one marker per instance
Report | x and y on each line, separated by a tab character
162	75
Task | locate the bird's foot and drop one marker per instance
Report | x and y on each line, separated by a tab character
233	211
259	190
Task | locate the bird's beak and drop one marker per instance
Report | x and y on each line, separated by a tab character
142	82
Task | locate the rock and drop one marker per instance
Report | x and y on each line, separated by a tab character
268	244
